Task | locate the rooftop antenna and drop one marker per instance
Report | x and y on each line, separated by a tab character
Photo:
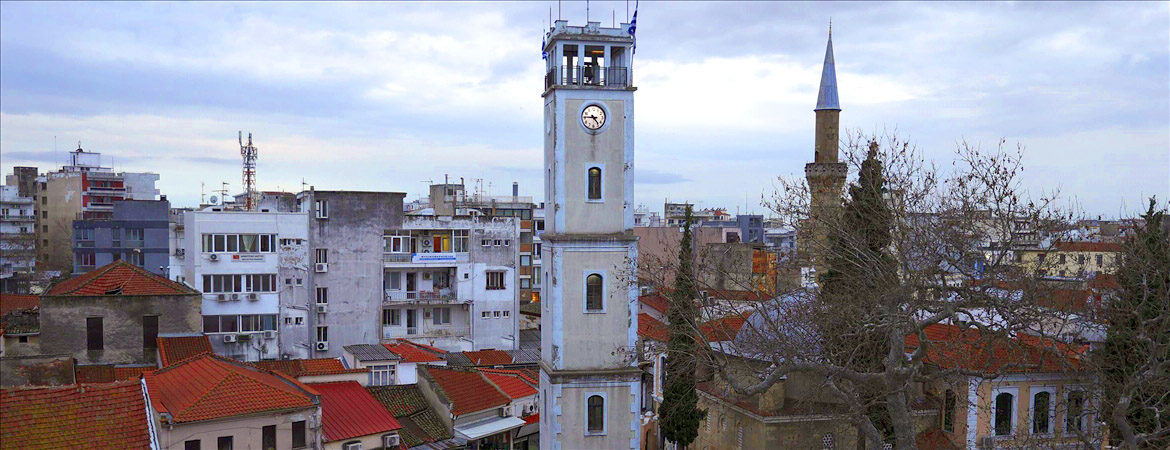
223	190
202	194
249	152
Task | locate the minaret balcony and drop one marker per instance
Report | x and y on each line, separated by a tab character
588	76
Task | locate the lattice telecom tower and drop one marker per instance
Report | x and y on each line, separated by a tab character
251	196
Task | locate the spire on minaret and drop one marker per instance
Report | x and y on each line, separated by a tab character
827	97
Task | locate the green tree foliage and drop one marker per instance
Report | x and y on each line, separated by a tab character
679	416
1135	359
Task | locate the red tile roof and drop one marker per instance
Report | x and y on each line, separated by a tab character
172	349
489	357
513	386
108	373
119	278
934	439
90	416
524	374
466	389
412	353
209	387
656	301
724	329
297	368
12	302
532	419
1088	246
349	411
954	347
651	328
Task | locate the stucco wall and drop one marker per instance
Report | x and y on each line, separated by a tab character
63	324
246	432
594	340
621	419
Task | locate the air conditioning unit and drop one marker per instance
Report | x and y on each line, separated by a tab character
229	338
321	267
213	257
269	334
506	411
221	298
253	296
180	252
322	346
426	275
390	441
322	308
235	297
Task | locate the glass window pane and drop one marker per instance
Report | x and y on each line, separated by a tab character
229	324
219	242
210	324
248	243
233	242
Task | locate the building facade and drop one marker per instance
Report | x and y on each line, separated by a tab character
589	382
137	233
17	232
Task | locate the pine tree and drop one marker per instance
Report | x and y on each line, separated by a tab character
1137	344
679	416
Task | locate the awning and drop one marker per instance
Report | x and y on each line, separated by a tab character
487	427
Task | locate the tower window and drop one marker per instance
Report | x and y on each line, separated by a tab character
596	415
594	185
593	293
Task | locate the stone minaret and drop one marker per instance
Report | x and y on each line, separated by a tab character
590	384
826	175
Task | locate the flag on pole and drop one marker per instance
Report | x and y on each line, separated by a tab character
543	44
634	27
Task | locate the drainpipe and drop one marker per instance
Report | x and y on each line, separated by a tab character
310	311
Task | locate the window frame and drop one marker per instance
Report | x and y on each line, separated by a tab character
585	291
1084	410
304	441
600	182
503	279
995	393
95	338
604	419
1032	392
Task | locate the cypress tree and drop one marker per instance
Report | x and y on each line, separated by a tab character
679	416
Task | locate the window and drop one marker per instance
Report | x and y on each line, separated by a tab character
506	314
496	314
485	242
322	256
1062	258
396	280
94	339
299	321
86	259
594	183
1100	260
149	332
596	415
495	280
298	434
134	234
1074	419
525	283
322	209
381	375
392	317
322	295
322	334
229	324
191	445
224	442
1041	412
525	260
249	323
268	437
1004	402
235	243
299	282
498	242
461	241
593	293
949	411
134	258
211	324
485	315
441	316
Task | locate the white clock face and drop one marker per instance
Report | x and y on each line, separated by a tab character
593	117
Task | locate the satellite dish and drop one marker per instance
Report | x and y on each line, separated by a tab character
213	199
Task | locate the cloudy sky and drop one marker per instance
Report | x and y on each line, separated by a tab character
390	96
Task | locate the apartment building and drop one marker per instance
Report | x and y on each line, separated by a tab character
450	282
253	269
17	232
136	232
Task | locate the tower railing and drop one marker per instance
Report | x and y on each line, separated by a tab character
588	75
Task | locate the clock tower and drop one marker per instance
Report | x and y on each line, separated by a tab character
590	384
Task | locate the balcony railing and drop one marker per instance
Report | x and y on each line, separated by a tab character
618	77
440	296
391	332
426	258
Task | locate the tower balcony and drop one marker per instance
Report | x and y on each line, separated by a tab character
587	76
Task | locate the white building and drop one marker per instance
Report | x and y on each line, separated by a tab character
252	268
17	232
452	282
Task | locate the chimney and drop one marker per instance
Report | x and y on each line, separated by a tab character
515	189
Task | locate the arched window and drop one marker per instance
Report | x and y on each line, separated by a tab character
949	411
596	420
594	183
1040	405
1003	413
593	294
1075	410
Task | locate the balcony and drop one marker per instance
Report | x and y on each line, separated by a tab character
426	259
426	331
440	296
17	217
588	76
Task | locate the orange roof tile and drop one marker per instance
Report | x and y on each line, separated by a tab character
489	357
523	374
108	373
513	386
119	278
467	389
651	328
953	347
12	302
656	301
411	352
1088	246
532	419
172	349
208	387
90	416
348	410
724	329
297	368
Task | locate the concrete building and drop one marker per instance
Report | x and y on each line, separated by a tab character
84	189
253	269
450	282
346	230
137	233
17	232
114	314
590	380
782	240
644	217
